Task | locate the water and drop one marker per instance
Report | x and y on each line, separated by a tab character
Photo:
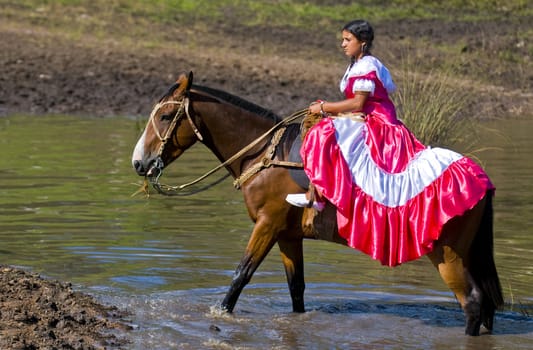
67	212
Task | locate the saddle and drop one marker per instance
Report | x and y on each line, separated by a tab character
298	175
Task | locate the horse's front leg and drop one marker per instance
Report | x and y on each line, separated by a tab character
263	237
292	256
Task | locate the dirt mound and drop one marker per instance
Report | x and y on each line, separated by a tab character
37	313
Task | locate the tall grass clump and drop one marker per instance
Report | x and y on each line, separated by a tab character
435	108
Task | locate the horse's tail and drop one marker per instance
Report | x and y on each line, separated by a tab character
482	266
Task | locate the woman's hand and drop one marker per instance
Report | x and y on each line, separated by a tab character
315	108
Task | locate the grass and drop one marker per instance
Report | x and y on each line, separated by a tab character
290	13
516	305
431	105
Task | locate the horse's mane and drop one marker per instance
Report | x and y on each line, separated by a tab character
231	99
239	102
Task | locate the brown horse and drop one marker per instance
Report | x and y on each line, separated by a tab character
226	124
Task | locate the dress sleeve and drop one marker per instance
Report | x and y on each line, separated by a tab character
363	75
364	84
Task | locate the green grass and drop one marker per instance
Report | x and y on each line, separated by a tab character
289	13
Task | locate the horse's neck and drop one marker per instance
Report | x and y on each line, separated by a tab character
230	130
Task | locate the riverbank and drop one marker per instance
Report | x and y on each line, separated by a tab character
39	313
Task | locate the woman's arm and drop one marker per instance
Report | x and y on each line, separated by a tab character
354	104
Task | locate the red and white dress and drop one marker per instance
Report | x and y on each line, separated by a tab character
393	194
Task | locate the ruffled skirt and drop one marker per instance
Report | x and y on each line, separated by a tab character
393	195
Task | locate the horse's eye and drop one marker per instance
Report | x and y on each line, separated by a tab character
166	117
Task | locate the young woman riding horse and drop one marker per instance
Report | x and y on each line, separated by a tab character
227	124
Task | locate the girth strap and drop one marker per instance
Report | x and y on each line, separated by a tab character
266	162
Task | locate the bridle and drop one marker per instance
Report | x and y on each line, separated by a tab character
183	111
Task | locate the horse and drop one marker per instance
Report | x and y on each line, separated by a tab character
253	144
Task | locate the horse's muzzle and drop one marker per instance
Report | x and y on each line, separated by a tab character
139	168
154	168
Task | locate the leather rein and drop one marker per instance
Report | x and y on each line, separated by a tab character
266	161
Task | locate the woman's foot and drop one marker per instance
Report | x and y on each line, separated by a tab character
301	200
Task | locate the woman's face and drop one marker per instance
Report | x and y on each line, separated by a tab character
351	45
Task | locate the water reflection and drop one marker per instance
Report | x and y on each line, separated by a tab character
66	210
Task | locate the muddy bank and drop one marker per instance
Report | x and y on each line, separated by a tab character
38	313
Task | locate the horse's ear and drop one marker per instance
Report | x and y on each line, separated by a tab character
189	81
184	82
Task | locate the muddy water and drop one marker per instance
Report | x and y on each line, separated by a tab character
66	211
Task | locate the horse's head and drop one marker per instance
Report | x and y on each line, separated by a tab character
168	132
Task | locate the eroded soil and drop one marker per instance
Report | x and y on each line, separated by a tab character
38	313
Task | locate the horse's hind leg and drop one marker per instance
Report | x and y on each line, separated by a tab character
292	256
454	273
473	309
482	268
450	256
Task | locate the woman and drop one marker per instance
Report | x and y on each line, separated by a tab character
392	194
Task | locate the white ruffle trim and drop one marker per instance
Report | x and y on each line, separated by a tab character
388	189
364	85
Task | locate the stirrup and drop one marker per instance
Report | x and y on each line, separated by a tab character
313	199
300	200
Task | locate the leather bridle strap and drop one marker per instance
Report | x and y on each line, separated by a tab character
183	109
186	102
170	129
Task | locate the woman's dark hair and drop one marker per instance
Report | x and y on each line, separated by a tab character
363	31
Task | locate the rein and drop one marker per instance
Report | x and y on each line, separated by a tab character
265	162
